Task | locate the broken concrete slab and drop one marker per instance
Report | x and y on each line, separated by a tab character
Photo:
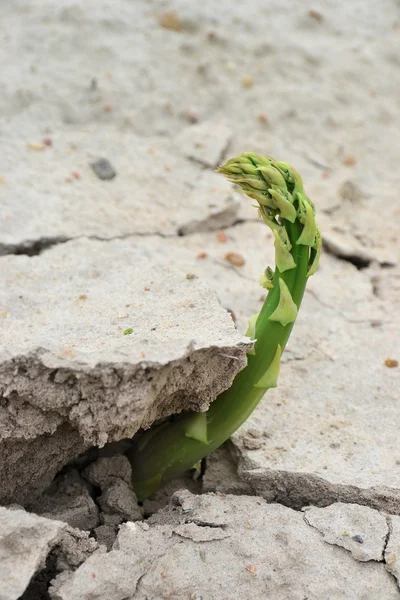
281	451
25	541
97	340
366	533
360	529
53	195
217	546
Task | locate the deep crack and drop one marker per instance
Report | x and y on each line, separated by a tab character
387	538
359	260
36	247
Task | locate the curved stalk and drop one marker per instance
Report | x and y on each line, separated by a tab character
168	449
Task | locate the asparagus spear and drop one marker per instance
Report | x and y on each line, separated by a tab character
168	449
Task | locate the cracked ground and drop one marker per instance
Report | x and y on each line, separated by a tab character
113	118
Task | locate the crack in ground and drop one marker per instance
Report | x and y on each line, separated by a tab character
385	544
357	259
387	538
36	247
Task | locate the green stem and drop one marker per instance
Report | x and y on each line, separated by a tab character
172	447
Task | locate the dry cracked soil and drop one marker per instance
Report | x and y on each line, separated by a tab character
113	118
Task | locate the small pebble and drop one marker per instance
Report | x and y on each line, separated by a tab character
349	161
314	14
251	569
47	141
358	539
391	363
235	259
191	276
103	169
170	20
222	237
263	118
202	255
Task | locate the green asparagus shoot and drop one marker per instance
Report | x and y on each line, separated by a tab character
171	447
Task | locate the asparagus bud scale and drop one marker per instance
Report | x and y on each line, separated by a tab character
166	450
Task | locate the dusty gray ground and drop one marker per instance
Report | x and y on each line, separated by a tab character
164	91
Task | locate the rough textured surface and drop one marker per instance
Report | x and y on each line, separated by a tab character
218	547
25	541
73	548
359	529
69	500
65	361
309	92
221	473
172	192
118	499
162	92
392	549
107	469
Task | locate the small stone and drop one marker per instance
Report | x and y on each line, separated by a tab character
235	259
191	276
349	161
358	539
391	363
314	14
222	237
170	20
251	569
103	169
